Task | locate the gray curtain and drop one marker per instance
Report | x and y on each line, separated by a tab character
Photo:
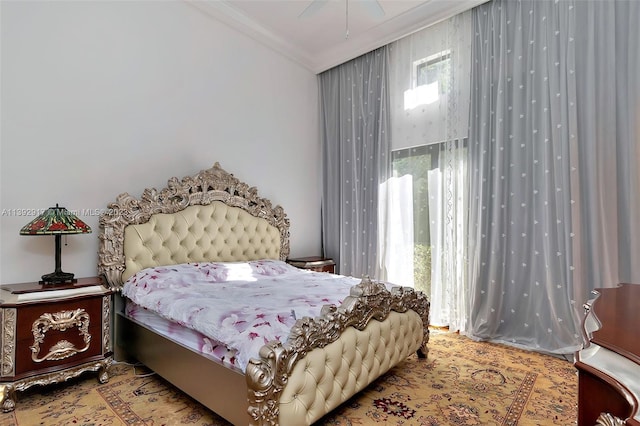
553	165
355	153
607	194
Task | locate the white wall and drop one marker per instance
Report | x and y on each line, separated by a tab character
98	98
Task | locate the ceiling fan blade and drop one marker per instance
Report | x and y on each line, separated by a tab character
374	8
312	8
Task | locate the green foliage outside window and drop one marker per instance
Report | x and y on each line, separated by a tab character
417	162
422	268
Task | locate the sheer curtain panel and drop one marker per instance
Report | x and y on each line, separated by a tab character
554	165
607	191
429	78
523	116
355	152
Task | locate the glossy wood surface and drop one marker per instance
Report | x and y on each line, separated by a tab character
596	395
33	287
27	317
50	337
618	310
314	263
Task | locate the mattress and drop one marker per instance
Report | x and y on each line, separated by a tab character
243	304
185	336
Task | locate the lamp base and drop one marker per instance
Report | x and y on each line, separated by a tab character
58	277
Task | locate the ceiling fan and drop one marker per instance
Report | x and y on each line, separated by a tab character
372	6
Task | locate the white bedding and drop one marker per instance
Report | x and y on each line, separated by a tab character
243	304
182	335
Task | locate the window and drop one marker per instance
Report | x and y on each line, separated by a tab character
417	162
433	69
428	195
424	165
430	79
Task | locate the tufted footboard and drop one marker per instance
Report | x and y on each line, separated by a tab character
328	359
328	376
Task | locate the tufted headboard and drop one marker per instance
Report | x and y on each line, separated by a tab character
211	216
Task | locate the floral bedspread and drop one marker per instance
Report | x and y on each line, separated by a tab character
243	304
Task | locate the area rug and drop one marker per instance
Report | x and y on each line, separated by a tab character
462	382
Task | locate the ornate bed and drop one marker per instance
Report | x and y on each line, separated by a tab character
214	217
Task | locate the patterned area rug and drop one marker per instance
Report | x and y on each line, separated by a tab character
461	383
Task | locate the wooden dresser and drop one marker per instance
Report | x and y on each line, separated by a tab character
609	367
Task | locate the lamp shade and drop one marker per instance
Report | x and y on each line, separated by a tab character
55	220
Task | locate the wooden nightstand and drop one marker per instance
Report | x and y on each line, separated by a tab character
52	333
314	263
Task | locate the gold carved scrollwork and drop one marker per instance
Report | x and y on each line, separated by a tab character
8	390
214	184
8	343
268	375
7	402
607	419
106	324
60	321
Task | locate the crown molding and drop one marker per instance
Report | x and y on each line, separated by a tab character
429	13
421	17
223	11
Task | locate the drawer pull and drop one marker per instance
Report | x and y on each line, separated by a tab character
60	321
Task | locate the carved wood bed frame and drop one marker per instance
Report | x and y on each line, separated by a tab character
276	380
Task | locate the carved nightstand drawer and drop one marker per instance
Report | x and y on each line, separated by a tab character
50	335
56	334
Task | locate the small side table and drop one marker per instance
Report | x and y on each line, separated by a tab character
51	333
314	263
